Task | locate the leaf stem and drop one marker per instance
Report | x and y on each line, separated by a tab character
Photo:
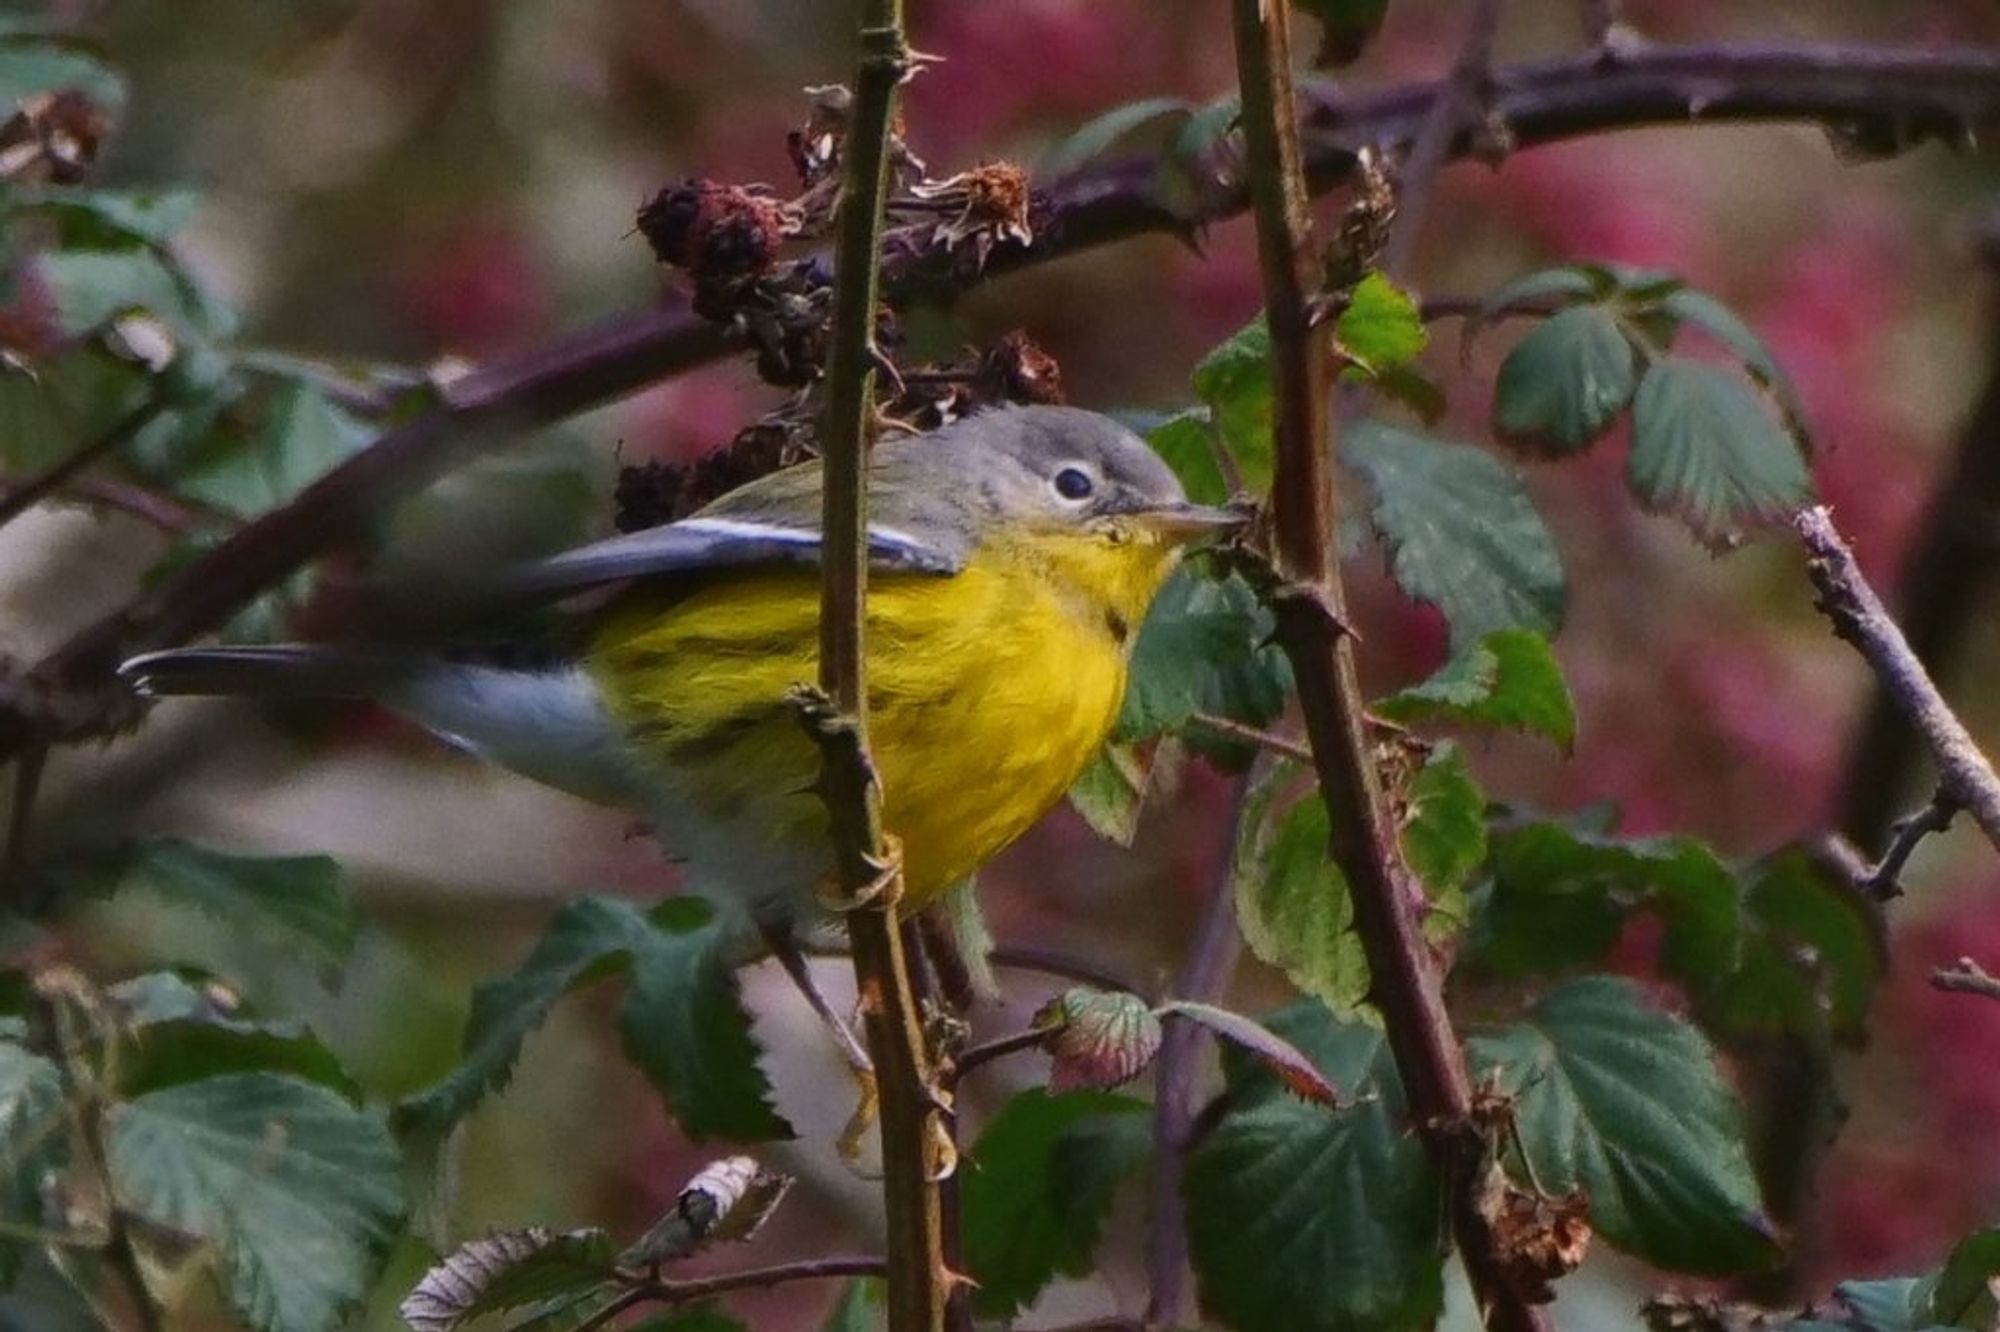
867	866
997	1048
754	1278
1250	735
1308	603
51	479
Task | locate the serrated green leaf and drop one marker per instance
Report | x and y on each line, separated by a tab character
508	1269
1313	1219
1509	679
1531	291
298	1192
176	1031
302	904
302	437
34	1144
1444	836
1292	904
1626	1102
1407	385
1963	1293
1707	451
70	399
1235	381
98	219
1461	531
1723	324
1198	162
1204	649
683	1024
588	939
48	63
1381	329
1811	958
1636	284
1024	1222
1563	385
1185	442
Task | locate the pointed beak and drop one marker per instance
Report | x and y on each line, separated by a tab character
1194	522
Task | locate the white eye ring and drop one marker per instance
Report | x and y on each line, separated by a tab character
1074	484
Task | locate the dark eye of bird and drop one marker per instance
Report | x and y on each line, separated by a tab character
1073	483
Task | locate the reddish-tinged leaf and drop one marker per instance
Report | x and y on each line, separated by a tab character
1098	1038
1273	1051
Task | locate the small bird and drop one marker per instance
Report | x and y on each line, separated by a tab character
1014	554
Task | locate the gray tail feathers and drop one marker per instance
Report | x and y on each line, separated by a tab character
281	670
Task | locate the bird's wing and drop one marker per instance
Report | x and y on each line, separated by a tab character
708	542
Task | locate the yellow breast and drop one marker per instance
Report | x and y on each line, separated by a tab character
988	692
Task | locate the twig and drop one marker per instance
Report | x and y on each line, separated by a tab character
1964	775
997	1048
19	499
868	867
1459	92
1311	614
1940	92
1204	975
626	1300
1250	735
759	1278
1882	882
1967	977
170	515
1938	596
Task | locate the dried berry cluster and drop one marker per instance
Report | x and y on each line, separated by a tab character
730	242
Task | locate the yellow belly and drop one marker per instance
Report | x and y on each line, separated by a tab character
988	693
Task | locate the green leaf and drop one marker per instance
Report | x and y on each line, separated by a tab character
1346	28
1025	1222
90	288
1706	450
507	1269
588	939
1509	680
179	1032
34	1144
1311	1219
1627	1103
1292	904
39	64
301	904
1533	290
855	1310
94	219
1235	381
1962	1295
1444	836
298	1192
1810	961
1142	126
1461	532
1725	326
303	436
1110	793
683	1024
1563	385
1204	649
1381	329
1185	442
682	1020
70	399
1895	1304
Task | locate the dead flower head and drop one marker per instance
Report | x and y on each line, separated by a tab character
989	204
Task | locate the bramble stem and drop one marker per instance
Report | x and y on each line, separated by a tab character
1311	617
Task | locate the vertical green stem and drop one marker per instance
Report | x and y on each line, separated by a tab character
870	878
1311	618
